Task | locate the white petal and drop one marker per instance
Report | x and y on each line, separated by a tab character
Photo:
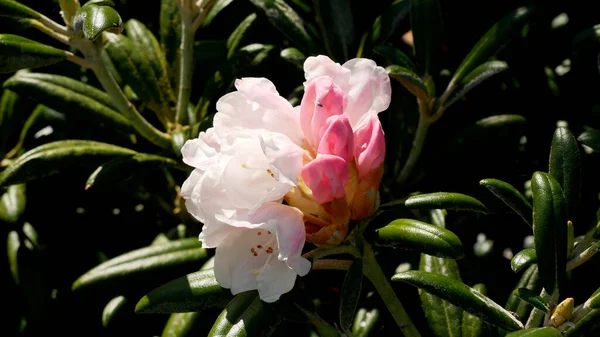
276	280
199	152
322	65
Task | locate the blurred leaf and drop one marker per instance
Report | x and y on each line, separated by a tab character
234	40
500	121
337	27
529	280
586	37
13	9
590	138
323	328
293	56
462	296
364	322
288	22
384	27
33	118
536	332
181	324
523	259
409	80
194	292
490	44
112	309
170	37
549	230
397	57
470	81
350	295
445	200
12	203
532	298
246	315
95	17
511	197
565	167
216	9
17	52
473	326
420	236
426	24
594	300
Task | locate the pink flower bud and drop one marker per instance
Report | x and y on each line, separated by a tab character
337	138
326	176
369	145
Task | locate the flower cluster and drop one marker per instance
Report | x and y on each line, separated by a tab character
269	177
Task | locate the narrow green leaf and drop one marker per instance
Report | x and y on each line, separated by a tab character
585	326
420	236
170	37
532	298
490	43
12	203
237	37
337	27
246	315
549	230
565	167
323	328
536	332
216	9
181	324
500	121
384	27
49	159
70	96
13	9
17	52
473	326
288	22
523	259
426	23
350	294
396	56
293	56
409	80
473	79
112	309
594	300
511	197
13	243
529	280
96	17
462	296
590	138
445	200
36	115
364	322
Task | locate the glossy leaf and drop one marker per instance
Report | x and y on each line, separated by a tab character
14	9
293	55
590	138
350	294
215	10
426	24
445	200
565	167
462	296
17	52
473	79
536	332
490	43
594	300
337	27
12	203
396	56
511	197
585	325
73	97
96	17
384	27
112	309
287	21
409	80
532	298
550	230
181	324
523	259
246	315
420	236
193	292
237	37
473	326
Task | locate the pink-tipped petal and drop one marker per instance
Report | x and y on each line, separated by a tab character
337	138
369	145
326	176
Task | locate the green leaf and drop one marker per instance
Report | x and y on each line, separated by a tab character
288	22
549	230
590	138
112	309
420	236
523	259
565	167
364	322
426	23
237	37
409	80
293	56
12	203
37	113
246	315
473	326
144	262
532	298
13	243
50	158
473	79
511	197
323	328
350	294
17	52
337	27
529	280
462	296
70	96
194	292
216	9
585	325
445	200
500	121
170	37
13	9
594	300
536	332
396	56
490	43
96	17
181	324
384	27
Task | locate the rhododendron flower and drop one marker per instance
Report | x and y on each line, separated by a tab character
323	159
